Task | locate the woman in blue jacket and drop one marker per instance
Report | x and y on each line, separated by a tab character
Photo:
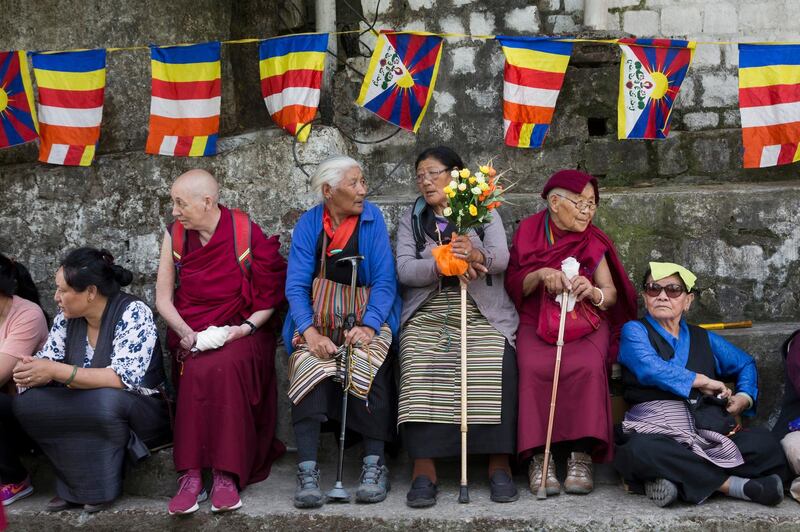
317	287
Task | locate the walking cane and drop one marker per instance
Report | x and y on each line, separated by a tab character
542	493
463	492
338	493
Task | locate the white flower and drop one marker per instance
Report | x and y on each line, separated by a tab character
454	173
453	184
447	211
479	175
476	190
462	187
481	178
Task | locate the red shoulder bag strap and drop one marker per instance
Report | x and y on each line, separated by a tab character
178	234
241	240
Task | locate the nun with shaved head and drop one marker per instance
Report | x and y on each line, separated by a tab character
220	280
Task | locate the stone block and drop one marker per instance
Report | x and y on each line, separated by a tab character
704	120
641	23
481	23
452	24
562	24
670	157
732	118
719	90
711	154
761	16
616	160
523	20
550	5
707	55
616	4
463	59
680	20
731	52
613	23
720	19
443	102
416	5
571	6
687	95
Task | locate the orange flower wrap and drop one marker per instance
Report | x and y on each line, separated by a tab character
447	262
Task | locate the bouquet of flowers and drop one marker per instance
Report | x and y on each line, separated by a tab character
472	198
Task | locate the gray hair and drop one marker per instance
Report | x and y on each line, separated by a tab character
331	171
557	192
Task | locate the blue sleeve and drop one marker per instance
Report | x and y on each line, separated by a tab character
638	355
733	362
300	273
383	278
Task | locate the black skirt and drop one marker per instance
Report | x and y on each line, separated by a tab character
375	418
439	440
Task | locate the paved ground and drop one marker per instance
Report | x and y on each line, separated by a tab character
268	506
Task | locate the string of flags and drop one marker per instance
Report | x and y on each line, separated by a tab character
397	87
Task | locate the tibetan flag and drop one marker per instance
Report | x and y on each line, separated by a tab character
399	81
17	113
291	76
769	101
532	80
185	103
650	75
71	87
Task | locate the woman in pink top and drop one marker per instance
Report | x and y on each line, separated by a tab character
23	330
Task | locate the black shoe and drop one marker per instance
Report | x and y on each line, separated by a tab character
765	490
502	487
94	508
57	504
422	493
661	491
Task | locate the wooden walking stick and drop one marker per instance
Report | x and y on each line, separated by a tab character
542	492
463	492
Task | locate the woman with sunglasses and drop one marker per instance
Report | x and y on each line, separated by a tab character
666	449
582	427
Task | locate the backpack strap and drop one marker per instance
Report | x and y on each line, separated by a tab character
178	235
416	225
241	240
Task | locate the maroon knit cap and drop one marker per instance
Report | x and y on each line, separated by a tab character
572	180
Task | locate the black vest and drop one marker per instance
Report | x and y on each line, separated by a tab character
76	341
701	360
790	406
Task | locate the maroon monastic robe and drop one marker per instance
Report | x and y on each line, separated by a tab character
583	408
227	397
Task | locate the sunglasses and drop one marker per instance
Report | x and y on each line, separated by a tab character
654	290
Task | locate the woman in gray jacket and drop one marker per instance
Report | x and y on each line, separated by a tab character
429	408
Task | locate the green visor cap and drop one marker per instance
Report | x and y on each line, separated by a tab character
659	270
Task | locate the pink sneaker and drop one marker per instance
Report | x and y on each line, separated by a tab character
14	492
224	494
190	494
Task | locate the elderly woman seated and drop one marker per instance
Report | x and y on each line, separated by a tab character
679	438
343	227
787	428
90	395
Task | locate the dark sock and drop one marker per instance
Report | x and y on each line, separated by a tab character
306	434
373	447
765	490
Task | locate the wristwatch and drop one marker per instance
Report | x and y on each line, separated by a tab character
252	325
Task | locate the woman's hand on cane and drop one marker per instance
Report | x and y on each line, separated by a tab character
554	280
581	287
359	335
320	345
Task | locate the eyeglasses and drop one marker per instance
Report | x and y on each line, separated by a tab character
430	175
673	290
581	205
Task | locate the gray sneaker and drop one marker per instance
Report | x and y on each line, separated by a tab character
374	481
308	494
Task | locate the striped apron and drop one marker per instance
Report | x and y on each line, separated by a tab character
430	364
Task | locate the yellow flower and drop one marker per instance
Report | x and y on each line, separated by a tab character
447	190
472	180
452	193
484	186
462	187
484	169
464	173
473	210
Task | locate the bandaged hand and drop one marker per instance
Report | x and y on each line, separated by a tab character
212	338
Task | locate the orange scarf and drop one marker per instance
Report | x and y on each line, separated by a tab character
338	237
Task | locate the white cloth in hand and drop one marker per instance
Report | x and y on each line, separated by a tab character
570	266
212	338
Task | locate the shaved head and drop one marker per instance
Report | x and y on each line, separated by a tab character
196	185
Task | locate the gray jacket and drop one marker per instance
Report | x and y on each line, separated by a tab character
419	278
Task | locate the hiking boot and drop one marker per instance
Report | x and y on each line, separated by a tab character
552	487
190	494
502	488
14	492
580	474
422	493
374	481
661	491
308	494
224	493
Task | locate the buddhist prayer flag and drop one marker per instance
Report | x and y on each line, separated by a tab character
185	103
399	81
769	102
291	77
71	87
17	114
650	76
532	80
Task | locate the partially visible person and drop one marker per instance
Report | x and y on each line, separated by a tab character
318	285
430	352
787	428
90	396
23	329
220	282
679	439
605	300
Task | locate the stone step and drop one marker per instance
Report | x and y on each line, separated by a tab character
268	506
